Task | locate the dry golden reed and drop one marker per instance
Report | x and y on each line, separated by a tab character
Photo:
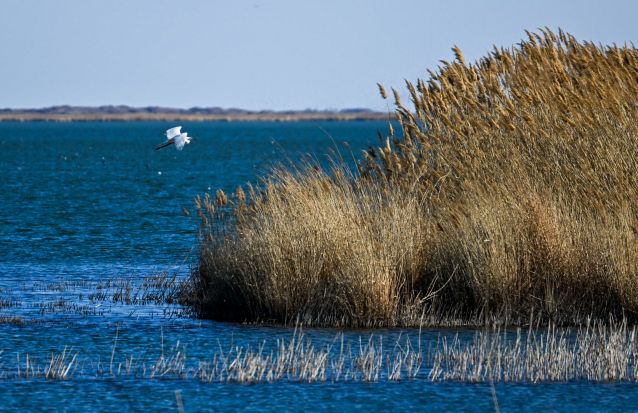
511	189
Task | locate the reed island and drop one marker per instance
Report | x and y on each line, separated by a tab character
506	189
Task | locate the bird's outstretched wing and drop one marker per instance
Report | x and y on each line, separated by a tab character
180	141
163	145
173	132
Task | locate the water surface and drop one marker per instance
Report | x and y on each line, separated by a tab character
90	210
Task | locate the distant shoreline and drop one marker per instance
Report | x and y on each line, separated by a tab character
153	113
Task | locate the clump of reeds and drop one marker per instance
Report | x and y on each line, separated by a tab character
60	366
316	248
512	188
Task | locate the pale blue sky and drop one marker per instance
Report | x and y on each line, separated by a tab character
260	54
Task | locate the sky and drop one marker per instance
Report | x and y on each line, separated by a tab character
260	54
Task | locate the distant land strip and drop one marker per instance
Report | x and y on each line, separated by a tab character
126	113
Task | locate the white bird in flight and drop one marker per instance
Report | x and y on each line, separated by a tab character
175	136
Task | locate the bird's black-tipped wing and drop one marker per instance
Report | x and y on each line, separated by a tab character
163	145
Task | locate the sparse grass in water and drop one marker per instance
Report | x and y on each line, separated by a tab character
595	352
151	294
512	189
296	359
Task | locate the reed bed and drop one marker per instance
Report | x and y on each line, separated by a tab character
313	248
510	189
595	352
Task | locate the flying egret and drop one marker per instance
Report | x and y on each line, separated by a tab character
174	136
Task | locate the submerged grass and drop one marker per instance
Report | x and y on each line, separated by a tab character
512	189
153	295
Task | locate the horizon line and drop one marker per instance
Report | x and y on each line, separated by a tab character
137	108
131	113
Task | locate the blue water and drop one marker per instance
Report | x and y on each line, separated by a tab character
92	208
